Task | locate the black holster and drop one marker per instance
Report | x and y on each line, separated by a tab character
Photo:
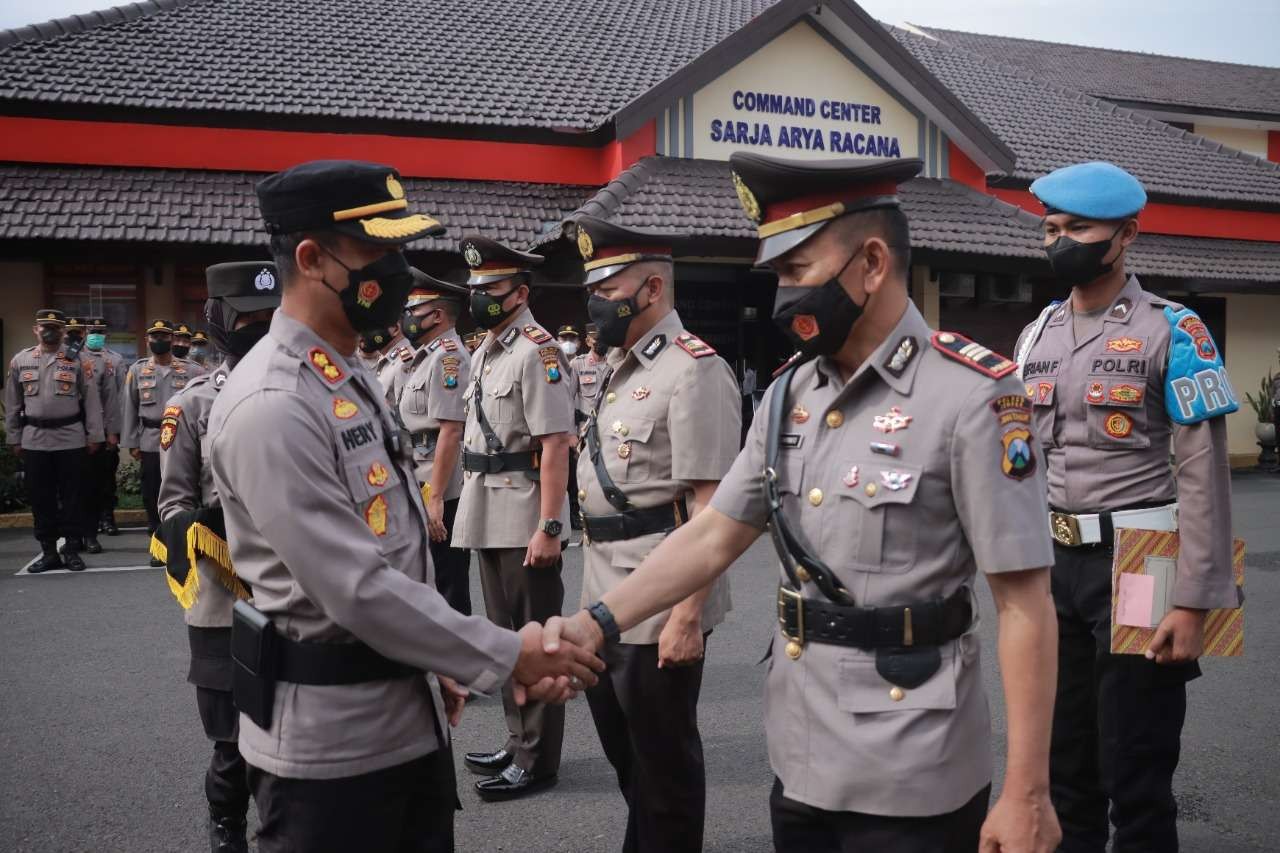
253	653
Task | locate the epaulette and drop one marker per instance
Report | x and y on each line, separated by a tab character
537	334
972	355
782	368
450	345
325	367
694	345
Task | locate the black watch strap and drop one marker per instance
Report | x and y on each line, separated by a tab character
604	618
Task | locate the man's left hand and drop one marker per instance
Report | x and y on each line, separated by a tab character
455	699
680	643
1179	637
543	551
1026	824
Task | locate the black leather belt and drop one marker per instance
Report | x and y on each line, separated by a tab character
334	663
51	423
151	423
492	463
635	522
932	623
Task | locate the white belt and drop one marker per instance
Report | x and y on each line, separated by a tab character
1073	530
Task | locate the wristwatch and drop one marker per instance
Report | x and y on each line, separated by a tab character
604	618
551	527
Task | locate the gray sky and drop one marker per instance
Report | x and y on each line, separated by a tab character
1246	31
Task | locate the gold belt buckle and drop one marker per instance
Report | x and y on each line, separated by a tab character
1065	529
795	644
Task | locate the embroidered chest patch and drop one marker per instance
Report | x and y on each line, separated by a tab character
344	409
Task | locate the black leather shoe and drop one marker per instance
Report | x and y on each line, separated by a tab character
73	561
227	835
109	525
48	561
512	784
92	545
488	763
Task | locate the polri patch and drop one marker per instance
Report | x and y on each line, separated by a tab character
375	515
1118	425
1018	460
344	409
449	364
169	426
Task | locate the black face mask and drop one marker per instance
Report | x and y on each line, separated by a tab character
414	327
181	350
487	310
1076	263
240	341
159	347
612	317
371	343
375	293
817	320
50	335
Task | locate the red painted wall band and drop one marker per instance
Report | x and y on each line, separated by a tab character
34	140
1273	146
1156	218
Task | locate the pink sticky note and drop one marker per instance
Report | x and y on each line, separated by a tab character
1136	595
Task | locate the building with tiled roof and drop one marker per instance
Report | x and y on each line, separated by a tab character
131	138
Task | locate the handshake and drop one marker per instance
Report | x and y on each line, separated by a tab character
556	662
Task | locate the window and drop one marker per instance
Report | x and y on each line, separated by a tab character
105	290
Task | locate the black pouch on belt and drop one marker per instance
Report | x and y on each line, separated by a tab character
253	650
908	666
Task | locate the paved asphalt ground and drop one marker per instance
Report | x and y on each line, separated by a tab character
101	747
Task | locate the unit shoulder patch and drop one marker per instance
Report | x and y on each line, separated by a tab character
169	426
450	364
537	334
972	354
1196	384
551	361
694	345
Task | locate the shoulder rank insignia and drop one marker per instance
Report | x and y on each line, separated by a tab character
406	354
694	345
324	365
449	344
450	365
536	334
169	426
972	355
550	359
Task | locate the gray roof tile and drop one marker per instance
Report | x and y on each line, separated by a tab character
509	63
1127	75
184	206
1049	126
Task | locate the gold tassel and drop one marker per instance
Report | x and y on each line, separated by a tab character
186	591
218	551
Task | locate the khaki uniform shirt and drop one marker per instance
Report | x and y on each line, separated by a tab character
526	394
51	385
328	530
908	522
434	384
1099	407
670	417
105	367
186	483
590	373
147	387
392	365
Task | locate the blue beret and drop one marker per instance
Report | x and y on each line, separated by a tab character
1092	190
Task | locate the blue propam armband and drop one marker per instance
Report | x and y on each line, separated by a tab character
1196	384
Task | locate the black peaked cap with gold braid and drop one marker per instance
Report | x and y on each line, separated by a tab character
791	200
362	200
428	289
50	317
607	248
162	326
492	261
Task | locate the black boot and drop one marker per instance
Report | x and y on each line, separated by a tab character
92	545
49	559
71	554
109	524
227	835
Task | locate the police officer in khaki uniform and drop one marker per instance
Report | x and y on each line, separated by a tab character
665	431
396	354
342	655
182	336
102	475
53	417
589	372
99	372
432	411
201	352
514	506
1117	373
891	464
148	384
242	297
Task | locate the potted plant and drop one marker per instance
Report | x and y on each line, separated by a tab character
1265	429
